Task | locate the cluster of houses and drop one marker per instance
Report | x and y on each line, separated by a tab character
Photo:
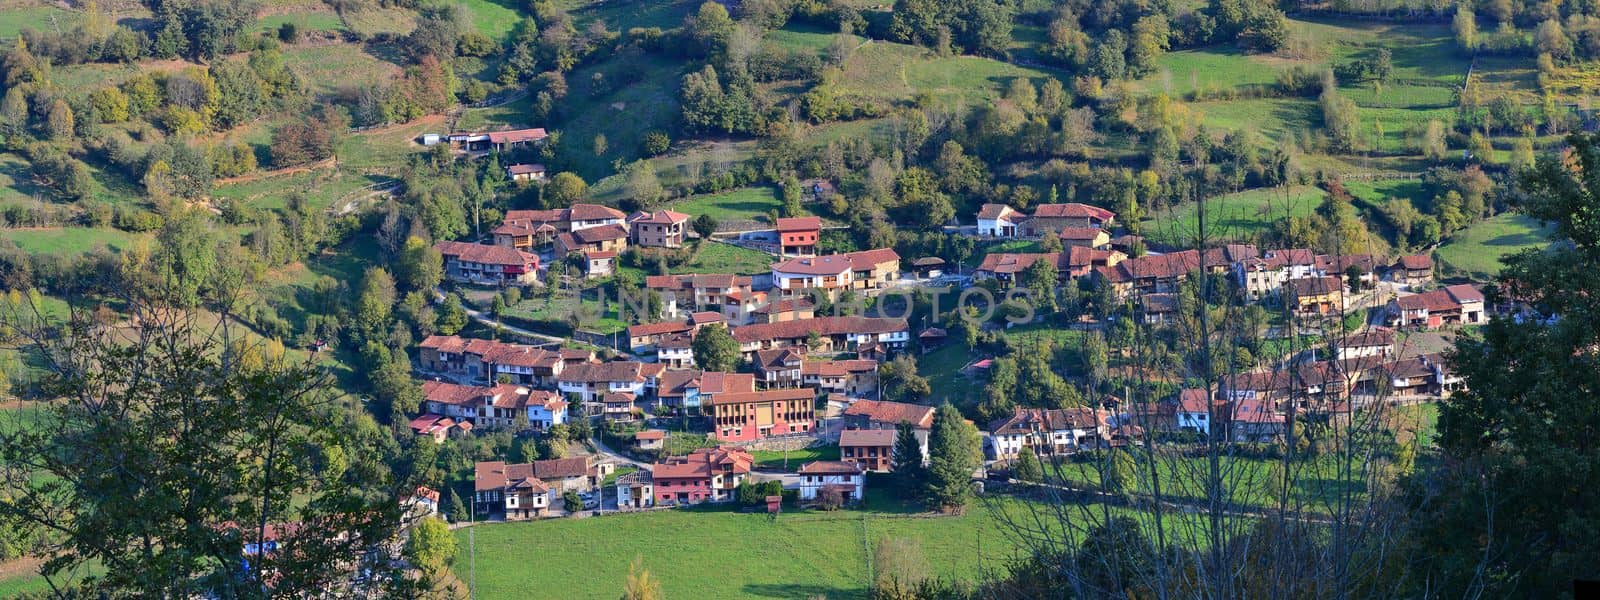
795	355
1308	283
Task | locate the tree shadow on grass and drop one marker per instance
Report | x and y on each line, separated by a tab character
791	590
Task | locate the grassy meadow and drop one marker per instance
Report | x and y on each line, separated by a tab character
1476	250
1239	217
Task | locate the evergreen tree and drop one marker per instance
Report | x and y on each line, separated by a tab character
908	466
953	454
1027	467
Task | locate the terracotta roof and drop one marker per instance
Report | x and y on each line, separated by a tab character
617	398
1255	411
779	395
1447	298
561	468
832	264
933	333
799	224
1415	262
603	233
1072	210
892	413
676	383
660	217
485	253
451	393
675	341
529	217
1295	256
1080	233
867	260
664	327
1229	254
518	135
650	434
830	467
1012	263
996	211
825	326
1158	303
497	475
1194	400
867	437
700	463
593	212
776	357
1336	265
1164	266
1027	420
837	368
603	372
1313	286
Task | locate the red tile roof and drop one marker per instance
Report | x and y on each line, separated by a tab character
1072	210
593	212
1027	420
892	413
825	326
833	264
1164	266
837	368
676	383
1447	298
1415	262
700	463
603	372
867	437
789	224
518	135
1080	233
660	217
650	434
779	395
485	254
497	475
866	260
662	328
996	211
1313	286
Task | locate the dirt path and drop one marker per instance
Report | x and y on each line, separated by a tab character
20	567
248	177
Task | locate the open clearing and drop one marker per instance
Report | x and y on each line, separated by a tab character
1237	217
1476	250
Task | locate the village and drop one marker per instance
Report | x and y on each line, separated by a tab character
808	382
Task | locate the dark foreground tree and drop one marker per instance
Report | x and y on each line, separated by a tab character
908	467
1515	510
169	447
953	454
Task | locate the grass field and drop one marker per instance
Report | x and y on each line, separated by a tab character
746	204
717	257
37	18
327	69
800	555
590	316
68	240
316	20
1240	216
1476	250
493	18
774	459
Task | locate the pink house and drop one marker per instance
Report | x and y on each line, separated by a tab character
705	475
